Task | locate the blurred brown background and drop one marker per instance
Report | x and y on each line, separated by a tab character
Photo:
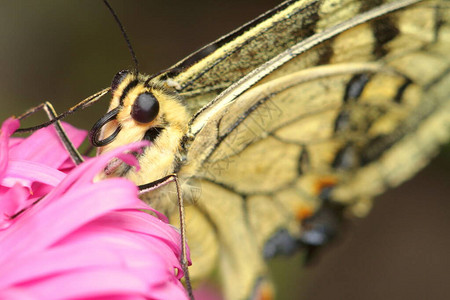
63	51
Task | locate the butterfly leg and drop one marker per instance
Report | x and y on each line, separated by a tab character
157	184
76	157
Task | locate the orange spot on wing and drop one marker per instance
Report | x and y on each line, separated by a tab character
263	290
323	183
303	213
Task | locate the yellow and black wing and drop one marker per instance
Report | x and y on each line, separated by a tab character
317	101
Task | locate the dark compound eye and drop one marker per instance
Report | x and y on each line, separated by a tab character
145	108
118	78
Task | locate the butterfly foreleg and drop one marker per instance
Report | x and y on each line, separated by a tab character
162	182
75	155
55	119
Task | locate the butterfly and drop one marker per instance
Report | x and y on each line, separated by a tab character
312	104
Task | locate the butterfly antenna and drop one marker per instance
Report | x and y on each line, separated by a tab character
122	29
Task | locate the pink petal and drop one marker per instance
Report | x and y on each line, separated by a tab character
137	221
27	172
45	146
98	199
87	171
94	283
82	239
13	141
12	200
207	291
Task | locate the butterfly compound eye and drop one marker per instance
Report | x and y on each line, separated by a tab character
118	78
145	108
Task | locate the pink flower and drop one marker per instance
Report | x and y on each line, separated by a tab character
64	236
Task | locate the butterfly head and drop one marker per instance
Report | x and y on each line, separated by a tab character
142	108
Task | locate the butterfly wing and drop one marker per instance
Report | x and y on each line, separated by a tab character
204	74
360	108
